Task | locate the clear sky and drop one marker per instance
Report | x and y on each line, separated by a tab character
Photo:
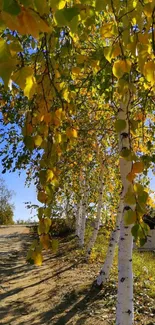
22	194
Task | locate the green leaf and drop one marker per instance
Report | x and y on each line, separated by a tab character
100	5
142	198
29	143
11	6
67	16
40	212
60	18
130	217
130	197
70	13
47	224
138	188
134	231
120	125
26	3
41	6
143	241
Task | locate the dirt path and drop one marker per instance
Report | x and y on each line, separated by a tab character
56	293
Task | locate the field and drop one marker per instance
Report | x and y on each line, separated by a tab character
62	290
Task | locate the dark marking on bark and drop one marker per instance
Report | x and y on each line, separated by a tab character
102	272
122	279
129	312
127	208
124	135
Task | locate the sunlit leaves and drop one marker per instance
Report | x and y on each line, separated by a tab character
25	79
71	133
149	72
7	62
27	22
67	16
121	67
107	30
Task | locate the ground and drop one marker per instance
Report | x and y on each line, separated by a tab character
61	291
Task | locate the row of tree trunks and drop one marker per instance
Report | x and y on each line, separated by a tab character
98	216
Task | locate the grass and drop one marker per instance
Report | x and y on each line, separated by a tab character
143	272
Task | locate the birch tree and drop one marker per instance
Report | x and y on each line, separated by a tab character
62	63
98	216
105	271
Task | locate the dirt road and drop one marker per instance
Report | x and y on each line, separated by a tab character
56	293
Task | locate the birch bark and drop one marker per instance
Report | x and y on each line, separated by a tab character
105	271
124	313
83	216
78	218
98	216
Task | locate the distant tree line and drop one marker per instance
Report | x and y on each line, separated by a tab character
6	207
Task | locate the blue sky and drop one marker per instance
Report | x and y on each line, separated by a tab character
22	194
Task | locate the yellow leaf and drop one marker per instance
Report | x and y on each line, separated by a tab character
107	30
45	241
50	175
71	133
148	8
42	197
38	140
138	167
58	113
7	63
30	87
25	80
130	177
38	259
61	4
120	67
149	72
76	70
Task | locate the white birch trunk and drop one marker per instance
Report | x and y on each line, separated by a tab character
98	216
78	218
124	313
83	216
105	271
